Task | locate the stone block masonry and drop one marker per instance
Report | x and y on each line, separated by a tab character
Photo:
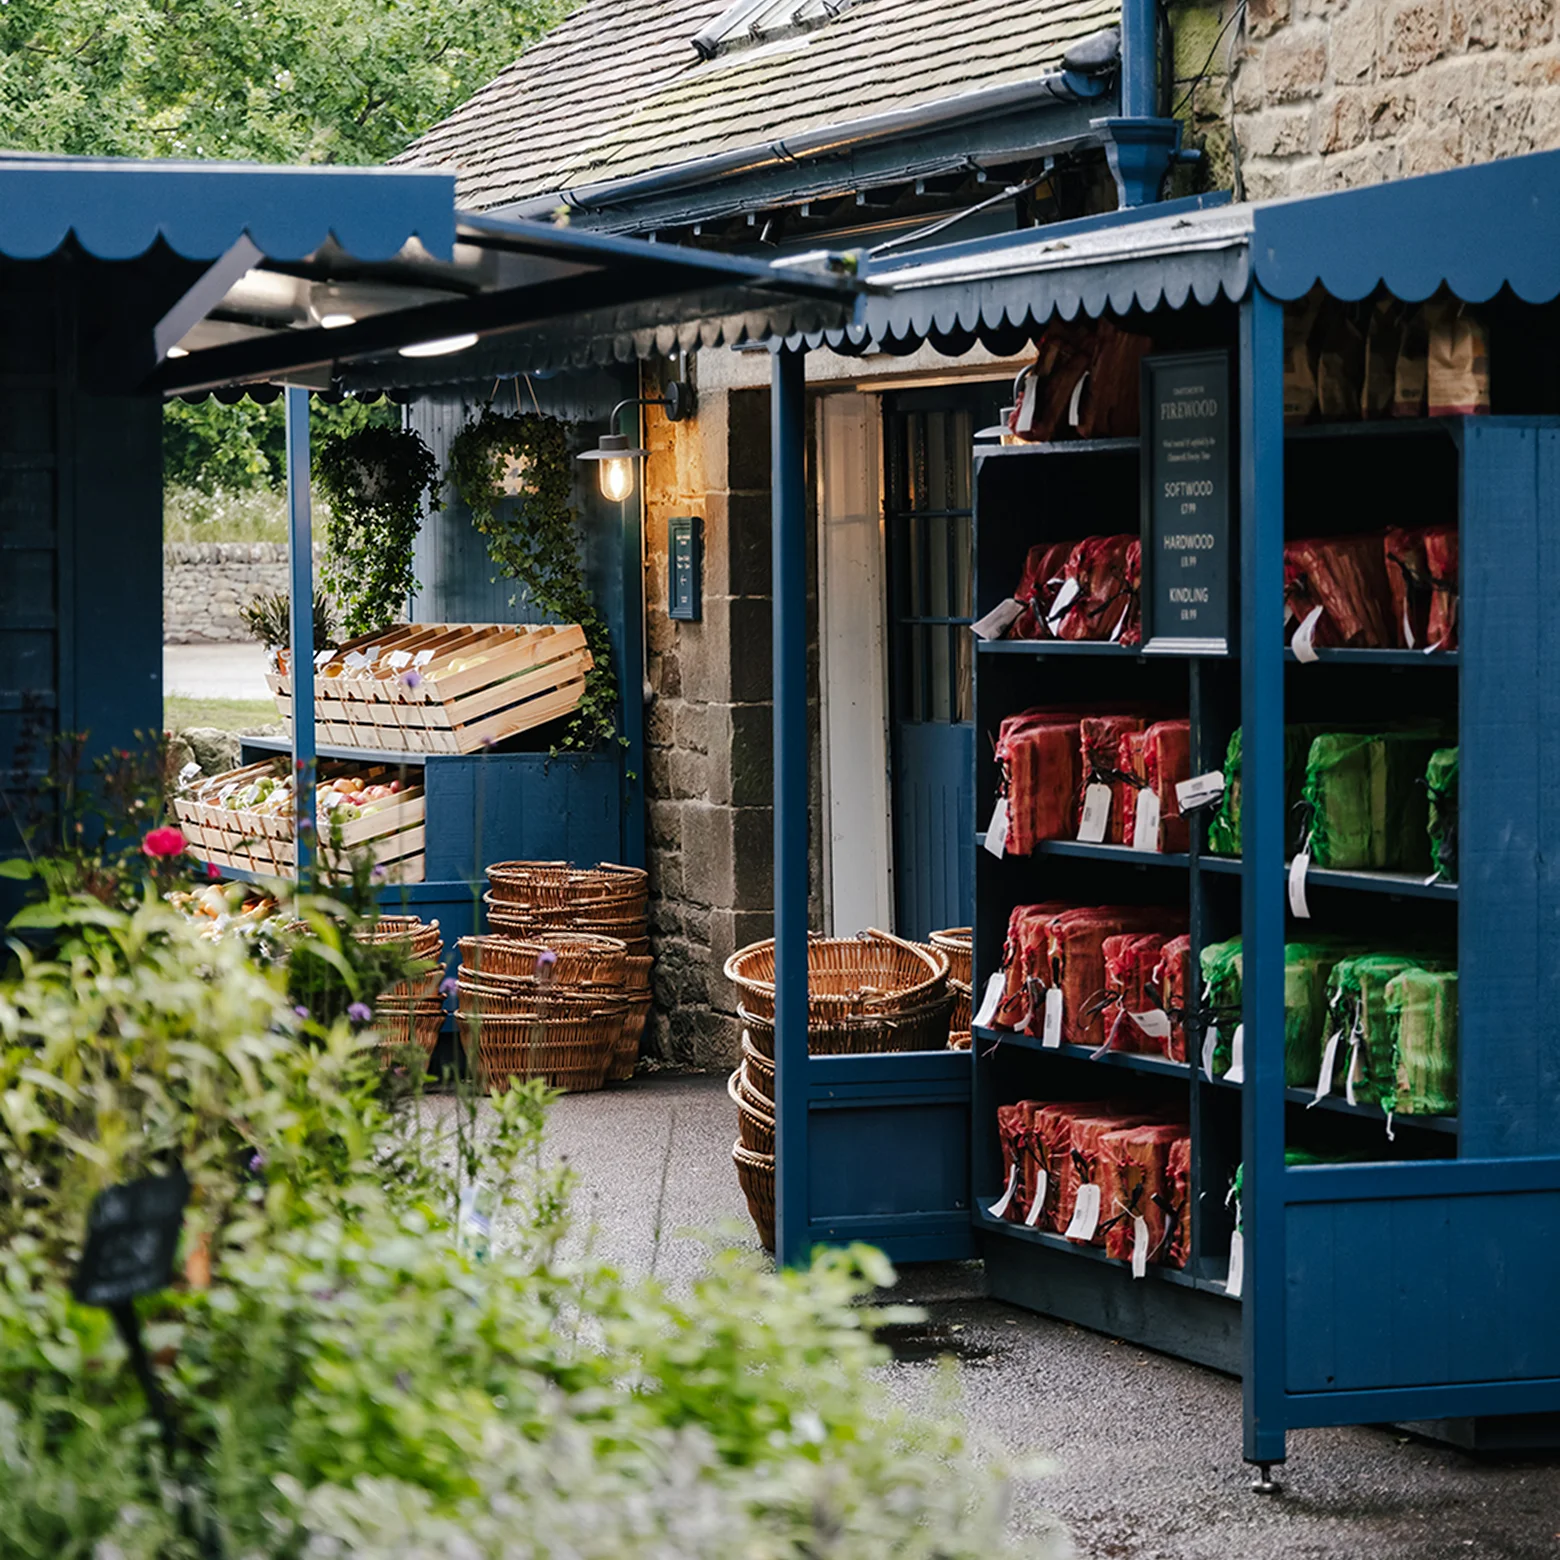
1331	94
206	583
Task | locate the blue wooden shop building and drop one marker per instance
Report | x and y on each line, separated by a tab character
1410	1284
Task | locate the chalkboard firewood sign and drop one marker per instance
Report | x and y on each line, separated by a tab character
1187	474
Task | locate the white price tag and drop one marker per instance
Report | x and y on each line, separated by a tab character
1086	1214
1297	871
1145	823
1096	813
399	658
323	658
1139	1245
991	1001
1037	1207
353	660
1210	1044
1234	1283
422	658
997	829
1237	1072
1064	599
1075	405
1324	1079
1200	790
1025	421
1356	1054
1155	1023
1001	1205
1301	644
1408	628
1051	1027
999	620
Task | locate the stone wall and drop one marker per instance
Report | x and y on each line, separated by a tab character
707	728
1330	94
205	584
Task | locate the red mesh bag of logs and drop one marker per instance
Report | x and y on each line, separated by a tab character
1038	589
1441	565
1076	957
1338	585
1131	962
1098	609
1024	957
1159	757
1135	1183
1051	1156
1039	759
1085	1165
1013	1124
1099	745
1132	628
1173	981
1179	1242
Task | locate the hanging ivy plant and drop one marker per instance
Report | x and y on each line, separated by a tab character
514	474
379	482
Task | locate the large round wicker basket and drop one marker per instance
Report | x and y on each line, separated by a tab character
760	1068
847	977
756	1124
626	1057
576	960
569	1053
869	1034
957	942
756	1174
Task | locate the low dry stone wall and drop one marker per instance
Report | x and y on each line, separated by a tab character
205	584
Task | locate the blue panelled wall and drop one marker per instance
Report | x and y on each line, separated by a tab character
80	542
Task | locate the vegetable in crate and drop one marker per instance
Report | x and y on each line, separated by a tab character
1098	610
1099	739
1338	586
1423	1005
1366	804
1038	755
1441	786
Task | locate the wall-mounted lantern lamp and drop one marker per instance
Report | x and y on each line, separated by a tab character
615	458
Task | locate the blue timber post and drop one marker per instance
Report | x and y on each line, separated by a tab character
788	527
1262	881
300	543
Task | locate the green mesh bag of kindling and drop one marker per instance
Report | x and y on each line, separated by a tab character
1422	1005
1441	783
1368	810
1307	968
1221	973
1224	828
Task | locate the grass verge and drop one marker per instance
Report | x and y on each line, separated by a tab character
180	713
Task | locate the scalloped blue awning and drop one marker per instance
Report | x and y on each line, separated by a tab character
119	210
1475	229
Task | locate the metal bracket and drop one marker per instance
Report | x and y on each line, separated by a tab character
1140	153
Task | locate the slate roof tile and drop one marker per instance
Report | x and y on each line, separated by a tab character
617	88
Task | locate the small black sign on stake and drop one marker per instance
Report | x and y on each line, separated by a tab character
132	1239
1187	474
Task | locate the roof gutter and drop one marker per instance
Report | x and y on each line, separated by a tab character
1061	86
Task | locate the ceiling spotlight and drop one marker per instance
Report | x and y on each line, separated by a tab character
174	352
336	321
441	347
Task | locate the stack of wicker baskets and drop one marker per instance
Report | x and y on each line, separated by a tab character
538	900
412	1012
872	993
958	945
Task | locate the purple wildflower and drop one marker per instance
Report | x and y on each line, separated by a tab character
360	1012
257	1160
379	874
411	678
305	825
301	1011
546	961
449	986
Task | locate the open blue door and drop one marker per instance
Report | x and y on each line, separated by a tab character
875	1148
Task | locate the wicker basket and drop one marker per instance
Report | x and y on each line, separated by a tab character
597	961
760	1069
756	1175
959	1040
756	1125
424	988
957	942
567	1053
626	1057
846	977
963	1005
919	1029
410	1026
612	892
424	936
638	971
480	998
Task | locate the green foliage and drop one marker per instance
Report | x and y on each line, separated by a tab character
268	617
379	482
214	448
533	538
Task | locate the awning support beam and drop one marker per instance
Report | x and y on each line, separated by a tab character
788	500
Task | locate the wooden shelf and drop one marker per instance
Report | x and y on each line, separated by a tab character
1339	1105
1406	427
331	750
1058	647
1059	1243
1132	1061
1397	885
1125	855
985	451
1444	659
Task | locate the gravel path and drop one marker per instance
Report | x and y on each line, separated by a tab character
1145	1450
